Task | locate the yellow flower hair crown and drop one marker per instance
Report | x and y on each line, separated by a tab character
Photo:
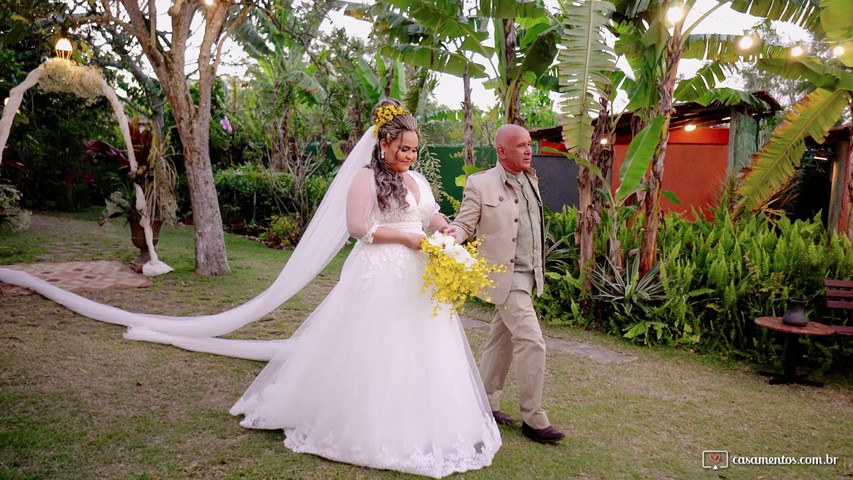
385	114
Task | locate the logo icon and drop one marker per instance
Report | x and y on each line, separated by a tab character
715	459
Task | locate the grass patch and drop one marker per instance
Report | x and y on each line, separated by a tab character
78	401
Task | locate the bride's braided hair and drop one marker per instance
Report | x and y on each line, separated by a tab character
390	124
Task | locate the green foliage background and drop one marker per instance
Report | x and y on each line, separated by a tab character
717	275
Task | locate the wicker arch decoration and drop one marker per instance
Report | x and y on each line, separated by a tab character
61	75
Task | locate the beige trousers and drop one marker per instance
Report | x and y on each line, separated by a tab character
515	335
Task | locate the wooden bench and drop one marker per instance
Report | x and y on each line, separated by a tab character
839	294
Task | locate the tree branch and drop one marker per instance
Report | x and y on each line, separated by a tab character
243	16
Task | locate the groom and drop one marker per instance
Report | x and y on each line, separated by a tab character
502	206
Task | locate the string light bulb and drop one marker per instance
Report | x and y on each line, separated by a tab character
604	141
675	13
63	48
689	127
797	51
838	51
746	42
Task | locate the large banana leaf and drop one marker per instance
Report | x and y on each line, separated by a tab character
815	70
774	165
724	48
368	82
637	159
398	81
804	13
500	9
706	78
251	40
434	58
836	18
732	97
307	83
585	65
537	57
443	18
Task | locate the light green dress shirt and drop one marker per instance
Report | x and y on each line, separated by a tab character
528	248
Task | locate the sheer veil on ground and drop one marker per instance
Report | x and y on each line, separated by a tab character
323	238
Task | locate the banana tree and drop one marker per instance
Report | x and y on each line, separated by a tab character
816	112
586	65
654	41
523	32
637	159
283	72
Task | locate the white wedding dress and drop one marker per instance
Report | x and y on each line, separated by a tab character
373	378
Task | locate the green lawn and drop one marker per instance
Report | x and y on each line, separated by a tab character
77	401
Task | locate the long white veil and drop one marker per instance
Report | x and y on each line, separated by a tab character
324	237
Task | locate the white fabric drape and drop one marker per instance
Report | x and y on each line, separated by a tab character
323	238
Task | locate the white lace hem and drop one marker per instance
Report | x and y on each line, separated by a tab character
431	463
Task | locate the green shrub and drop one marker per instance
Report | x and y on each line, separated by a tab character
716	276
257	195
284	231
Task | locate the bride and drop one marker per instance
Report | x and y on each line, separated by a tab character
372	377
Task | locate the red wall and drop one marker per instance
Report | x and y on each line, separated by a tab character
695	167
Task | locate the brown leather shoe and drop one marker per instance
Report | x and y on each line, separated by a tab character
543	435
503	419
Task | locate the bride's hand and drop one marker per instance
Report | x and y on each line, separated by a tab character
413	241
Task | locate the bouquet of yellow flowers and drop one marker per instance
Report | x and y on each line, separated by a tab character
455	272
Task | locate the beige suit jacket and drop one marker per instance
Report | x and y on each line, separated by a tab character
489	212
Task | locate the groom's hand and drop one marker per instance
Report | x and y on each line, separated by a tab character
448	230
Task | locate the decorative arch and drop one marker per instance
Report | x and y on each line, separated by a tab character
60	75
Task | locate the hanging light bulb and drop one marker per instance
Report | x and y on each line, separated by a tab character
208	2
63	48
604	141
838	51
797	51
689	127
746	42
675	13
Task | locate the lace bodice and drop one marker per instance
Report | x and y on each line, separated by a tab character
364	215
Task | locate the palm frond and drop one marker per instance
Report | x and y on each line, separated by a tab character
803	13
253	43
732	97
585	65
775	163
836	18
434	58
724	48
512	9
705	79
814	70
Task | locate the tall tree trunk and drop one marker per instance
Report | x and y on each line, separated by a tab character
512	94
588	219
649	247
192	121
193	124
468	117
601	155
281	148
